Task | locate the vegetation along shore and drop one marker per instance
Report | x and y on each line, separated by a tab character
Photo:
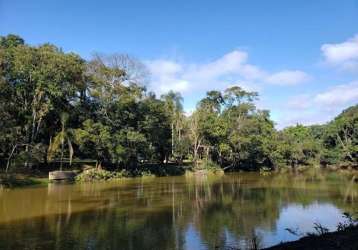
59	110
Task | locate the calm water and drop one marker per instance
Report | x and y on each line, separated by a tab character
173	212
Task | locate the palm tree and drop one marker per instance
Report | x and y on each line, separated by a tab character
58	142
173	102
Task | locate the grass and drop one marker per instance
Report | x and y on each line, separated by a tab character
19	180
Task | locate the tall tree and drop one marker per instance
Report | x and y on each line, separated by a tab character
66	135
174	107
41	81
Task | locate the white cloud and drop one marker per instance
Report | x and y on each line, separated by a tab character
288	77
326	104
194	79
166	75
344	55
300	102
338	95
306	117
231	68
341	52
175	85
164	67
320	107
228	64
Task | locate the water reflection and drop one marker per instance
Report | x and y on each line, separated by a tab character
300	218
198	212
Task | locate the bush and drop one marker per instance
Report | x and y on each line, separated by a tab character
208	165
95	174
100	175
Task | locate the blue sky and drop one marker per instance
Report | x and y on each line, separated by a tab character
302	56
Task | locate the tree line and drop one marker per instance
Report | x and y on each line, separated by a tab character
58	107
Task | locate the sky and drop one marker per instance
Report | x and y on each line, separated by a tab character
300	55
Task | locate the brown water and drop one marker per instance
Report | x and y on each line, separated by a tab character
174	212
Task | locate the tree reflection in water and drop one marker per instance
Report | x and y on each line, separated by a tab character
198	212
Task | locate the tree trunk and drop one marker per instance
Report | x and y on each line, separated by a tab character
345	147
27	151
195	153
9	159
172	128
62	146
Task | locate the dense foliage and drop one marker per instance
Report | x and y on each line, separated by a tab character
56	107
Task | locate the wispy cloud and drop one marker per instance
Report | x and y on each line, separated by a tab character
288	77
231	68
167	75
194	79
299	102
337	96
320	107
310	108
342	55
332	98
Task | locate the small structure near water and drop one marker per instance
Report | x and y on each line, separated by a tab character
61	175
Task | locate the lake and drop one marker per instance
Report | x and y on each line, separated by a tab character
186	212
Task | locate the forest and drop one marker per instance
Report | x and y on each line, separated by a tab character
58	108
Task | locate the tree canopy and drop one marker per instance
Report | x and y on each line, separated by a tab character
56	105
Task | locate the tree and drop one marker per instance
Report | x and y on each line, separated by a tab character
11	41
297	146
174	108
95	138
156	126
101	109
40	82
210	125
340	139
58	142
229	130
196	134
238	113
132	71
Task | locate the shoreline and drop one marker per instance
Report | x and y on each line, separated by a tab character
25	178
344	240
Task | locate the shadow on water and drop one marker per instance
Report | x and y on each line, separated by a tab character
172	212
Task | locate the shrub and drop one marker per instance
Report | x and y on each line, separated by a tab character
100	175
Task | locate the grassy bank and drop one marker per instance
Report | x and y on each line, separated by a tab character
21	180
149	170
21	177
